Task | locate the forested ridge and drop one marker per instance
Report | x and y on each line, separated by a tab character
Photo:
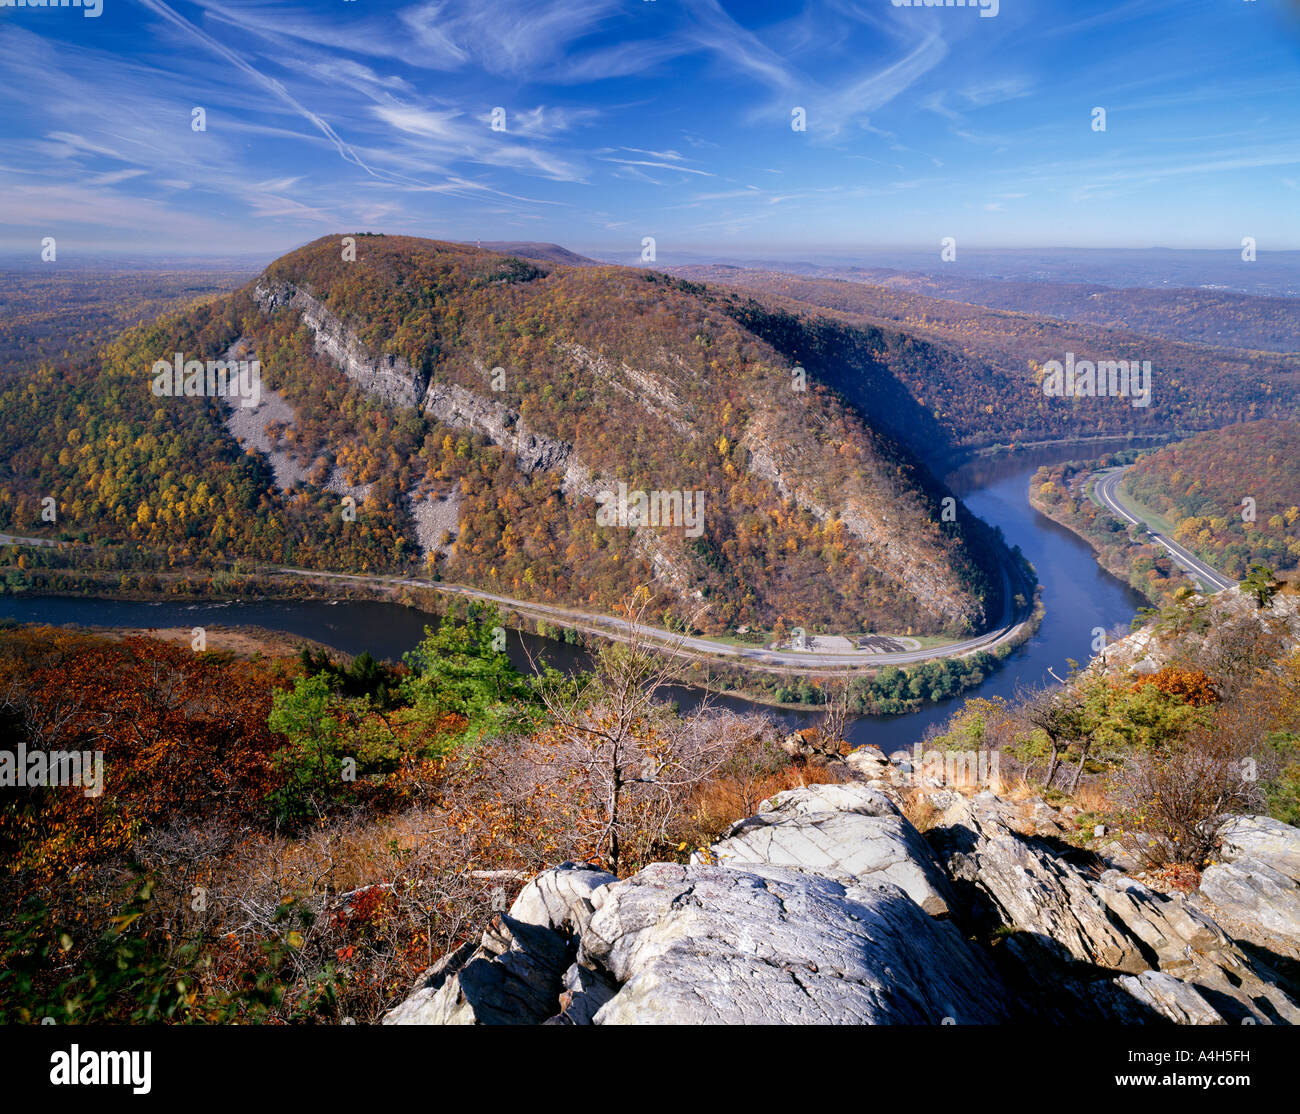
971	375
651	382
1232	495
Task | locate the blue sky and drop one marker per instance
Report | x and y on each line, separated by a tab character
663	118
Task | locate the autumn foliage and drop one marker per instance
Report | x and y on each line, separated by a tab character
1231	494
1189	686
297	839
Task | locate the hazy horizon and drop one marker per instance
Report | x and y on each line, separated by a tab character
1272	274
221	126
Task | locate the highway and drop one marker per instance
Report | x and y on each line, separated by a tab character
1106	485
611	626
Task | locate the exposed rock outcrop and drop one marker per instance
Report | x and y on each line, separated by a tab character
840	831
1263	838
1254	891
1066	931
390	378
653	393
1163	994
829	906
1263	903
1230	621
461	408
519	970
711	944
718	945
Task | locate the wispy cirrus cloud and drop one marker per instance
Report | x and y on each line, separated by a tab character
629	118
451	133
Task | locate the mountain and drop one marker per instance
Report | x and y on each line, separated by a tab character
945	374
543	253
483	419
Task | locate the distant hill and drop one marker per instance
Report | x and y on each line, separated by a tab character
944	373
546	253
1222	318
1272	274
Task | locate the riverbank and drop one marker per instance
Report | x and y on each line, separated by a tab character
773	678
242	642
953	459
905	689
1076	597
1061	492
50	572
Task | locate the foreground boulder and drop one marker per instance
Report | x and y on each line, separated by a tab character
1253	890
1265	840
1256	902
712	945
516	974
721	945
1069	932
830	907
839	831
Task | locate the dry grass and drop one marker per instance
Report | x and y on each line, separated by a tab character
919	810
718	803
349	854
1091	796
1018	788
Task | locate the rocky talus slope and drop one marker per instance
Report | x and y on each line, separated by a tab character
1223	628
830	907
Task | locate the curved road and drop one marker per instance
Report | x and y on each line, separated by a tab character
613	627
1106	485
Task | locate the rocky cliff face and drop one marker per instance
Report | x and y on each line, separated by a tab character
461	408
1226	623
829	907
389	377
393	380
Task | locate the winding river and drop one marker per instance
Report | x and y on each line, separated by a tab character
1078	595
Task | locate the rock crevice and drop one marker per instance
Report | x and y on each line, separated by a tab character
828	906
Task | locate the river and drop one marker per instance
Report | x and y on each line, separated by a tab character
1078	596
